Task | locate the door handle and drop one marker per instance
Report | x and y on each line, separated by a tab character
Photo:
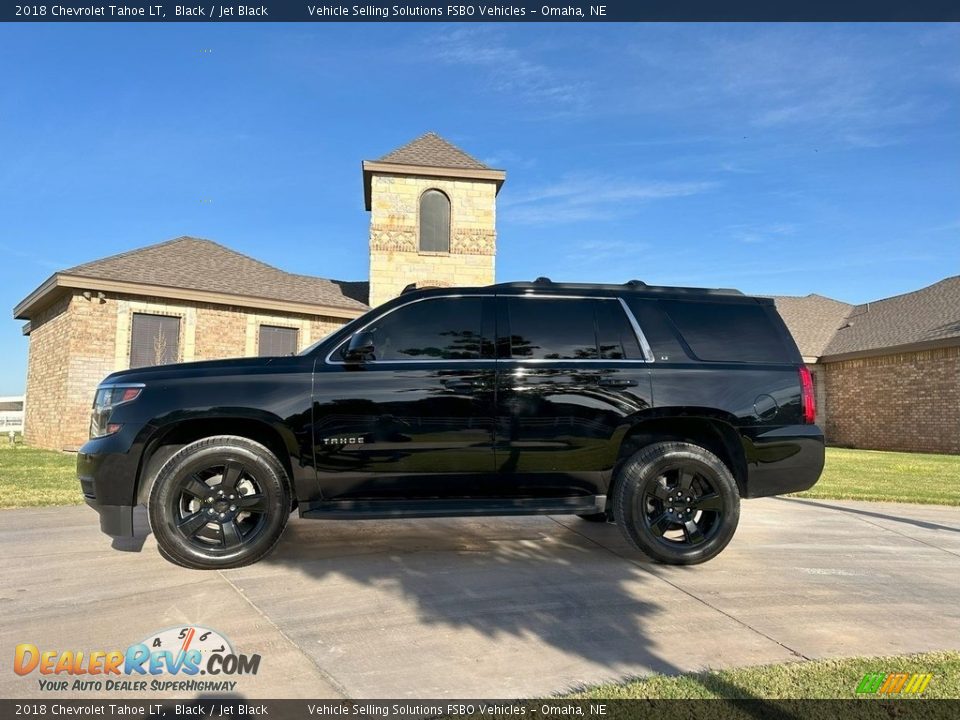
616	382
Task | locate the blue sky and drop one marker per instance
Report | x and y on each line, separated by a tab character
779	159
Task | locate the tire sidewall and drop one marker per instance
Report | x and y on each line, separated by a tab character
642	469
258	461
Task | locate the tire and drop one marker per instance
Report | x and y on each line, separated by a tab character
594	517
684	529
220	502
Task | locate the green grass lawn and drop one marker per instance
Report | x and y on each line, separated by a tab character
30	477
897	477
818	679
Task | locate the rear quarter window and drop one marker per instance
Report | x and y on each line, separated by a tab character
729	332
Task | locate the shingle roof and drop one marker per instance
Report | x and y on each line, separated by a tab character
812	320
433	151
929	314
196	264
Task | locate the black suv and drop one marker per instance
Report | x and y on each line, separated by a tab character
656	408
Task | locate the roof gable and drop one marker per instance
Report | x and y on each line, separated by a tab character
194	264
431	150
812	320
928	315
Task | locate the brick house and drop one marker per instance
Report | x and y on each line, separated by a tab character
887	373
432	221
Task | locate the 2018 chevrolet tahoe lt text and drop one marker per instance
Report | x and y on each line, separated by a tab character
656	408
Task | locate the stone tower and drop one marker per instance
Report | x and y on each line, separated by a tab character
432	217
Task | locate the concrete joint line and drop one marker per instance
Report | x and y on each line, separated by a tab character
326	675
700	600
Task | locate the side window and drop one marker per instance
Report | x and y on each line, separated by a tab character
276	341
551	329
436	329
434	222
727	332
154	340
615	334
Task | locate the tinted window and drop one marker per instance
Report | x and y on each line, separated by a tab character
434	222
441	329
733	332
154	340
545	329
275	340
615	334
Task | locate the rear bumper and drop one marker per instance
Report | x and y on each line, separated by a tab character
107	471
785	460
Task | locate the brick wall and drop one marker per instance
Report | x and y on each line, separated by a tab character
905	401
46	375
78	341
395	259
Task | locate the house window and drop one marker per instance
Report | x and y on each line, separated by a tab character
154	340
276	340
434	222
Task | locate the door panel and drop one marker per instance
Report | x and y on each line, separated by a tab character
404	431
563	406
416	420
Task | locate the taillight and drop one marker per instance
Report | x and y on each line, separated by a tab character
808	402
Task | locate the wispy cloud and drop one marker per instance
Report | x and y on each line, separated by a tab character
848	87
577	198
510	69
751	234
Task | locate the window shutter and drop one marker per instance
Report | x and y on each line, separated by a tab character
154	340
276	340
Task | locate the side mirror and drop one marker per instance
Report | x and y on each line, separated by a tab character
360	348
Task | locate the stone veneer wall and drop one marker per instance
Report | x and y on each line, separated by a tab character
395	260
77	342
905	401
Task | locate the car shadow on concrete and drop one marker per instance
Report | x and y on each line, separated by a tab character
508	580
881	516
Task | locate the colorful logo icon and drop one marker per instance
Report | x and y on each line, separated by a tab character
894	683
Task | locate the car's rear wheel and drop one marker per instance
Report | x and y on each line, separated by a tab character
677	502
220	502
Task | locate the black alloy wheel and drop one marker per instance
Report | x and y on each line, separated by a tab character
218	508
677	502
220	502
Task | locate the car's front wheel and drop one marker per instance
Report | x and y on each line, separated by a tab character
677	502
220	502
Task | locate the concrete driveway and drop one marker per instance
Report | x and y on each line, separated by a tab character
496	607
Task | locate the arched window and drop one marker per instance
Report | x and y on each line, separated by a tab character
434	222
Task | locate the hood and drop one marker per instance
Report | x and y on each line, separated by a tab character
191	369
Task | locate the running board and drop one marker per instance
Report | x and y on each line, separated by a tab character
385	509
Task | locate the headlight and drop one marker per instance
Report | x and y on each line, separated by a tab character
107	398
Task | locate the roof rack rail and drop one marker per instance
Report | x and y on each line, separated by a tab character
631	285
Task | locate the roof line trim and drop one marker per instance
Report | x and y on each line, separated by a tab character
893	349
247	301
388	168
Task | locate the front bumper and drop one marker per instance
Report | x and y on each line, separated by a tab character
107	470
783	460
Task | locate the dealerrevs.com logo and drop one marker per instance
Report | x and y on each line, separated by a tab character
172	660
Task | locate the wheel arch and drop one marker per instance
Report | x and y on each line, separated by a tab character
709	430
173	436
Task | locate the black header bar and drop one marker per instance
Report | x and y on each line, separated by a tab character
433	11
